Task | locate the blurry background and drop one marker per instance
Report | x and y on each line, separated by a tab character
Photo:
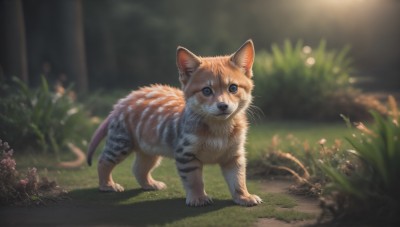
315	59
124	43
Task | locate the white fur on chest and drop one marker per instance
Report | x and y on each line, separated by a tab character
214	149
215	144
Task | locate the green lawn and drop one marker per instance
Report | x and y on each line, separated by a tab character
167	207
261	134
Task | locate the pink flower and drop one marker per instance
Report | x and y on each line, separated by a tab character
8	154
9	163
24	182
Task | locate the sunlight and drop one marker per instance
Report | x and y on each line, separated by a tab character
346	3
343	5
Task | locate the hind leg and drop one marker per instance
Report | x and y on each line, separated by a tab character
106	182
115	151
142	168
118	146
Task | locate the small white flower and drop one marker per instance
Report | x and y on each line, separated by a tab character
72	111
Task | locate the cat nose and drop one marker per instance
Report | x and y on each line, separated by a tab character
222	106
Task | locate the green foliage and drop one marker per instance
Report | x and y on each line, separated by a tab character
372	190
288	144
300	158
38	118
298	82
357	177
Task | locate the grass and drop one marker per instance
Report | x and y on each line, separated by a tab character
260	135
167	207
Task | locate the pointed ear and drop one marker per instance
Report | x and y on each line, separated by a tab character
244	58
187	63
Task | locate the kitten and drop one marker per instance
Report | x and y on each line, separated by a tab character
204	123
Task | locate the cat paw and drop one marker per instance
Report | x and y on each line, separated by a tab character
250	200
198	201
111	188
155	185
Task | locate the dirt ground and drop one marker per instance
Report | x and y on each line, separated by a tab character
66	211
304	204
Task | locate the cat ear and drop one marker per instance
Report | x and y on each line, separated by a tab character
187	63
244	58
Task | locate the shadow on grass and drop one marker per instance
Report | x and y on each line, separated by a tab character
106	198
89	207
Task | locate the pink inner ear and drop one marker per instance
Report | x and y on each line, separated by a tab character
186	61
244	57
247	57
182	60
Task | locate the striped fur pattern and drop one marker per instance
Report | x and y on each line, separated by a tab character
204	123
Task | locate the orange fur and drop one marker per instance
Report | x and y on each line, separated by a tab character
204	123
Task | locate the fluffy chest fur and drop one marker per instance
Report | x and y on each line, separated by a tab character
218	142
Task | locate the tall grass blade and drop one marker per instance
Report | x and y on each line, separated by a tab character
341	181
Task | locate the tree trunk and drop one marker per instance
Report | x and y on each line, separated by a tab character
13	59
101	52
73	49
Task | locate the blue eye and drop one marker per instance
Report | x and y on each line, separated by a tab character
207	91
233	88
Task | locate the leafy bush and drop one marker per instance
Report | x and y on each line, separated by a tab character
301	159
301	83
358	180
39	118
17	189
372	190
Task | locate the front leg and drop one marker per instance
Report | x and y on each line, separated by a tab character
234	172
190	170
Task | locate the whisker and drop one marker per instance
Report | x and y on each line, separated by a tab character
255	113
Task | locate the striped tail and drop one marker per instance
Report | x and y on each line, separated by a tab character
97	137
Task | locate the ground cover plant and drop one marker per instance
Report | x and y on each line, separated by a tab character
41	119
295	149
296	81
370	192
